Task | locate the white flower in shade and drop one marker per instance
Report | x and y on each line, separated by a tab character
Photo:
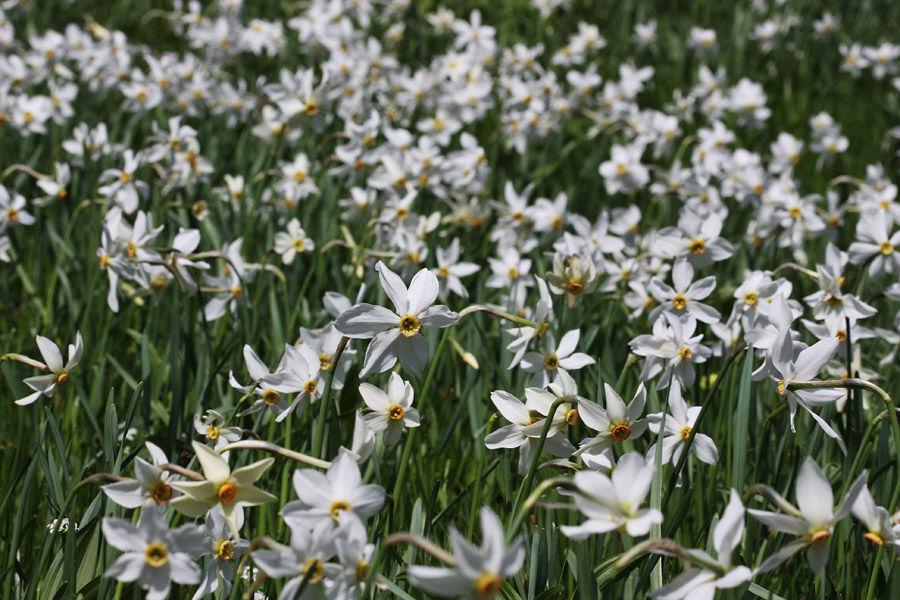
514	435
557	359
155	556
813	522
324	342
449	271
880	529
183	246
210	427
304	374
542	316
322	497
478	573
293	242
623	172
614	503
615	424
268	387
363	442
703	583
572	275
224	549
831	302
876	244
805	367
671	350
391	411
355	554
58	372
151	483
685	297
227	489
305	561
679	424
12	209
397	334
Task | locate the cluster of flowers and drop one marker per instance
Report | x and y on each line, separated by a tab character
406	139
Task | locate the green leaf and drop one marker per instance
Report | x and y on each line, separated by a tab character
741	433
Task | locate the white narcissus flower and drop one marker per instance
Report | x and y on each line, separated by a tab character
831	302
155	556
478	573
295	241
12	209
515	436
305	561
623	172
227	489
268	387
805	367
880	529
363	441
322	497
224	549
449	271
355	554
210	427
671	350
679	424
702	583
573	276
613	503
392	411
183	246
543	316
813	522
397	334
59	372
685	297
151	483
558	359
876	244
616	423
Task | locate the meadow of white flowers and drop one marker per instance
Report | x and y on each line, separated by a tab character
532	299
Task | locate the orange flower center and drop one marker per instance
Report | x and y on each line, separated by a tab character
162	493
820	538
227	492
621	433
488	585
395	413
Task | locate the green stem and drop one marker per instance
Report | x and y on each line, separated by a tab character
861	450
532	499
410	439
707	402
852	384
529	478
319	432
